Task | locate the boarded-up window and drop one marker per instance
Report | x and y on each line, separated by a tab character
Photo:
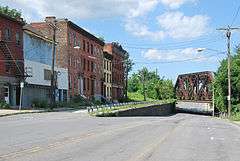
18	38
47	74
7	34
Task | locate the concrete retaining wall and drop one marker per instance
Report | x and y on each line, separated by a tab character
153	110
194	107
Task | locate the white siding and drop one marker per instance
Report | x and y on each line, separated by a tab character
38	75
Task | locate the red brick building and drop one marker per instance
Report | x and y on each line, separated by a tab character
80	52
117	53
11	58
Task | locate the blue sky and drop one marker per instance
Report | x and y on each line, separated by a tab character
158	34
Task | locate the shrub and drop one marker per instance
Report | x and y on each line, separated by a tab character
39	103
4	105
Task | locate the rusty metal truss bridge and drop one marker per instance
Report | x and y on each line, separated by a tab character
194	86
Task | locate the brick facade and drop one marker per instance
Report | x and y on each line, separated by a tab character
107	76
81	53
117	53
11	37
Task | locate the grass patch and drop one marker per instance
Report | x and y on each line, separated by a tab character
104	112
235	116
136	96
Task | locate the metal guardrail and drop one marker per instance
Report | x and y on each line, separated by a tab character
110	106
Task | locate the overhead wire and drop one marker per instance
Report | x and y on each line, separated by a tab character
235	16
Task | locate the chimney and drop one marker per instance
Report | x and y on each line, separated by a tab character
50	19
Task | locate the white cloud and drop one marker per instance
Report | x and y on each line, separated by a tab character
171	24
143	7
174	4
142	30
75	9
177	25
174	55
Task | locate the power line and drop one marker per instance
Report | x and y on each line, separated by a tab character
166	47
235	16
177	61
174	43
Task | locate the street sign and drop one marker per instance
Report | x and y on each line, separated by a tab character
21	84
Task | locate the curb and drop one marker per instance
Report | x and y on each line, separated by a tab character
40	111
11	114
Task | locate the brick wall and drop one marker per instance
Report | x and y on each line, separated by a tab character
16	49
117	69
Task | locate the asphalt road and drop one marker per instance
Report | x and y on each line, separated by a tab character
67	136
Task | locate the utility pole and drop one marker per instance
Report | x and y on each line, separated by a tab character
53	75
144	86
228	31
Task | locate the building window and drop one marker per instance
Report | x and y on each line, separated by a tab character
29	71
47	74
70	82
7	67
7	34
75	83
84	45
18	38
84	84
74	39
92	87
70	61
92	66
91	49
79	44
84	64
69	38
88	47
88	84
104	64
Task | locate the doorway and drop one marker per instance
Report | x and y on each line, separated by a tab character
6	94
18	90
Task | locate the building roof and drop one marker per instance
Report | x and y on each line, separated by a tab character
116	48
32	31
76	27
19	21
86	33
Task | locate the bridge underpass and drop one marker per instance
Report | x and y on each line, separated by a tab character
193	92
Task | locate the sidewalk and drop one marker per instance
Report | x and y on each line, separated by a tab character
9	112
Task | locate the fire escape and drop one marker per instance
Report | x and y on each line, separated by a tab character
15	67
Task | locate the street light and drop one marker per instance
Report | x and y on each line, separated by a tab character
203	49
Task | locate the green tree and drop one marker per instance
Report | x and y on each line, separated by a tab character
221	87
150	85
143	77
134	83
128	65
10	12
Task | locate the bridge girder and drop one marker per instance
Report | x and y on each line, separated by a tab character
194	86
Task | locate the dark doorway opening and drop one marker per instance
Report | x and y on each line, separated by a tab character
18	95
